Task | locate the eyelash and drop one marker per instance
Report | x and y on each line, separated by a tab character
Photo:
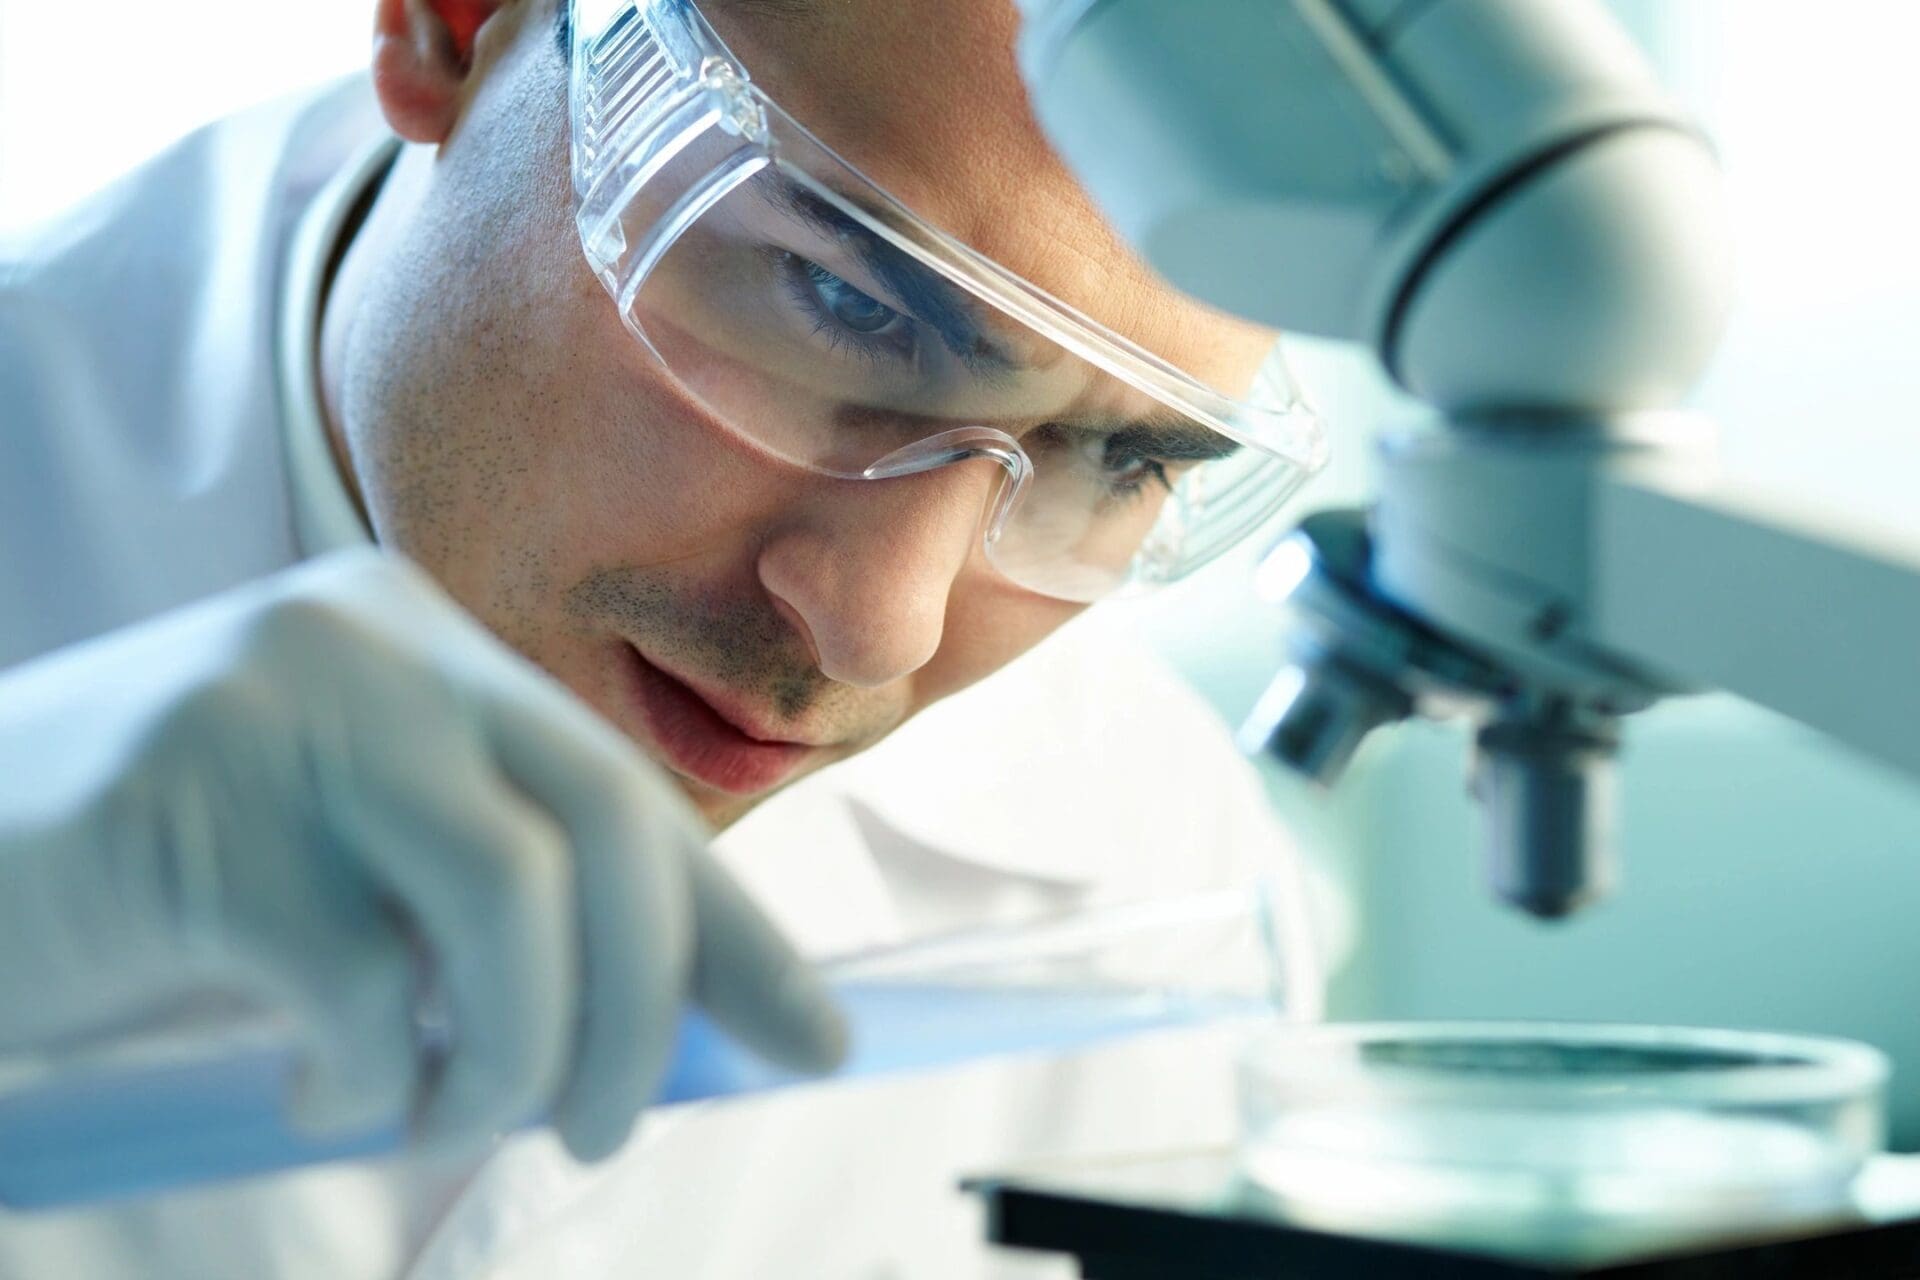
1150	469
1157	470
1133	486
798	276
801	278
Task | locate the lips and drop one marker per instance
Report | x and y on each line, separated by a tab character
702	743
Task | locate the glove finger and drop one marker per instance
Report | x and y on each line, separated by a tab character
749	978
344	973
631	834
359	1070
484	876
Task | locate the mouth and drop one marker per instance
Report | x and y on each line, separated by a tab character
726	750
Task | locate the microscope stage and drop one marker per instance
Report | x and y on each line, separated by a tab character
1191	1216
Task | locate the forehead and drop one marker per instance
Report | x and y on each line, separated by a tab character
925	97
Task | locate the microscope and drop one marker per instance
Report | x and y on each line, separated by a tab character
1497	198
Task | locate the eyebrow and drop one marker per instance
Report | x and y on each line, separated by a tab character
1167	437
952	314
948	311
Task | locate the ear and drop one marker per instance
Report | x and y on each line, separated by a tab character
422	56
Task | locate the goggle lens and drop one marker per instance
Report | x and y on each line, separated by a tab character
778	293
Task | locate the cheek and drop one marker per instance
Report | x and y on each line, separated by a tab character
514	438
662	480
989	624
648	481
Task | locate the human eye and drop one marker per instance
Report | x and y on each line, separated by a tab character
845	316
1127	470
1133	461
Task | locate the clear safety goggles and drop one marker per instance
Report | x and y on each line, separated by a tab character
822	321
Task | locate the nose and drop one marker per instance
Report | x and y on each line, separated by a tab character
868	567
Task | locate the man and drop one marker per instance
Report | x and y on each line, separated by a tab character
750	557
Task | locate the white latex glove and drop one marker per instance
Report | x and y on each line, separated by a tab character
305	788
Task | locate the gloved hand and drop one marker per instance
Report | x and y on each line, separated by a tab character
311	788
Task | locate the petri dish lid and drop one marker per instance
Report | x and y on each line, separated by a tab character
1546	1064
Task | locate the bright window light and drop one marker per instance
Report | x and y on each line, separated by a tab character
88	91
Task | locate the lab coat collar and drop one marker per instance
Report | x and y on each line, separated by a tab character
324	515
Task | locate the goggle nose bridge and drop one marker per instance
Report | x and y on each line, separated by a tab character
960	445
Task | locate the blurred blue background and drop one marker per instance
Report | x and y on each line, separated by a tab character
1770	879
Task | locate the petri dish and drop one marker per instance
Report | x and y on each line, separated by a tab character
1556	1140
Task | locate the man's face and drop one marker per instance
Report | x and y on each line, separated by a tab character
743	620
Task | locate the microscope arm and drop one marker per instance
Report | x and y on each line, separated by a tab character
1616	570
1497	198
1730	590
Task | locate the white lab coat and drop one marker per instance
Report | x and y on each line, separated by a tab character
152	458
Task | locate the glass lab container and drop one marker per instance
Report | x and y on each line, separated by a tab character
1556	1139
204	1104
